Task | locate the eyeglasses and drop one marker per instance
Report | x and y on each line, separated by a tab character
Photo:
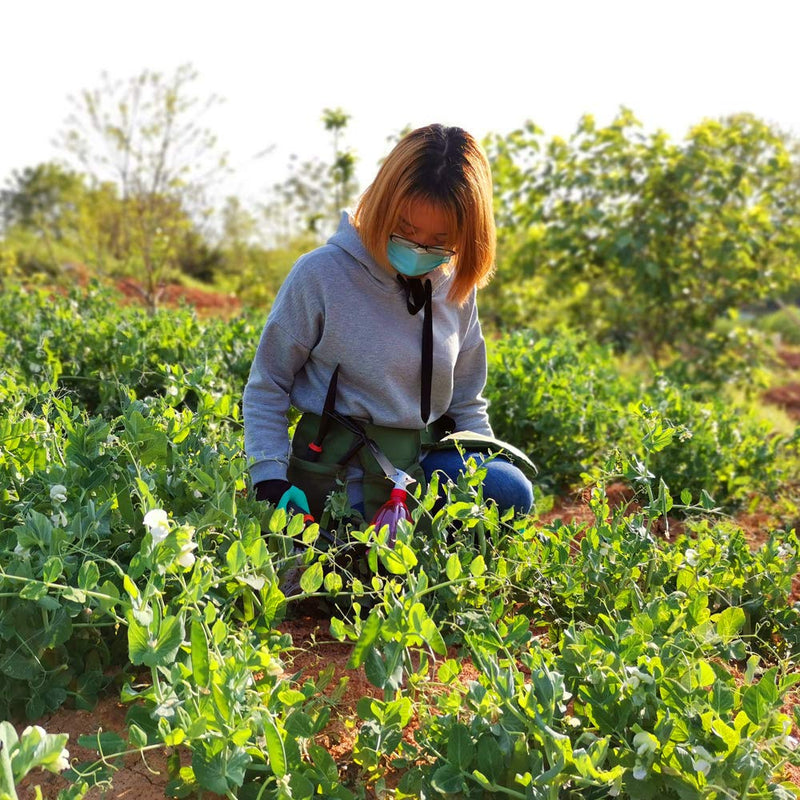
422	248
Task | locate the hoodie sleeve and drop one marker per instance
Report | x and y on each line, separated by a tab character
291	330
469	408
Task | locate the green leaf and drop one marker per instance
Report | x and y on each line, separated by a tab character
222	771
35	590
199	649
490	758
333	582
375	669
236	558
155	650
52	569
460	747
426	629
453	567
729	622
760	700
275	748
398	559
369	634
88	575
137	737
477	566
106	744
291	697
448	780
311	579
324	762
111	596
448	671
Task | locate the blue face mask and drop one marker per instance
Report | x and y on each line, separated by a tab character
410	263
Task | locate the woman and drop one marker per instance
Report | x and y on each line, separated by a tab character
376	335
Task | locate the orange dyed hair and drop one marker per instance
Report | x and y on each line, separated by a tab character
448	168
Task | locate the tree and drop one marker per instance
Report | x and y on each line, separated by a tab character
312	197
647	242
50	217
145	135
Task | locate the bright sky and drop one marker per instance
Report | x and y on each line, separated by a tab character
486	66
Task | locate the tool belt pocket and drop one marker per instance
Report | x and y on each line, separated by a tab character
316	479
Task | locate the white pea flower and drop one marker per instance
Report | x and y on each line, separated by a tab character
640	771
62	762
59	519
197	494
635	677
58	493
22	552
157	524
186	556
645	743
785	551
691	557
702	760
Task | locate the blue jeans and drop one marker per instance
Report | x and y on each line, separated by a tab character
504	483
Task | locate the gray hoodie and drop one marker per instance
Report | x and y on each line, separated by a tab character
337	306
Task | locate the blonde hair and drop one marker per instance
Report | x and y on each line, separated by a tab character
447	168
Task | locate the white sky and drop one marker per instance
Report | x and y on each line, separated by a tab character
484	65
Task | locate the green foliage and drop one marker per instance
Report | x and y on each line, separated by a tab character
784	323
647	242
606	655
564	400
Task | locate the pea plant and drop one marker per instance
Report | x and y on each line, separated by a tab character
624	655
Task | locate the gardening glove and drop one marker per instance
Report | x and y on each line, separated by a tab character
271	491
283	494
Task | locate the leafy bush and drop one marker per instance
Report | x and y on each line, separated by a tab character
785	323
566	402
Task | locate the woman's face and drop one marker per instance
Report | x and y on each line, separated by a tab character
426	224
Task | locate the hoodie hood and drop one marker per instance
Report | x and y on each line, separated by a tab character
346	238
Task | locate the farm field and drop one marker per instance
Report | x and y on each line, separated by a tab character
637	636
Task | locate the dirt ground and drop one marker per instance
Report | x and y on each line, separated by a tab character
316	649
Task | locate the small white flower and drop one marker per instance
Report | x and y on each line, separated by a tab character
62	762
635	677
645	743
702	760
691	557
22	552
186	556
197	494
157	524
58	493
59	519
640	772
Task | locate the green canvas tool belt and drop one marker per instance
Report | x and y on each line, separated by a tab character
341	448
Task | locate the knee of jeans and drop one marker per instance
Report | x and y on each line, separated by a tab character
508	487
